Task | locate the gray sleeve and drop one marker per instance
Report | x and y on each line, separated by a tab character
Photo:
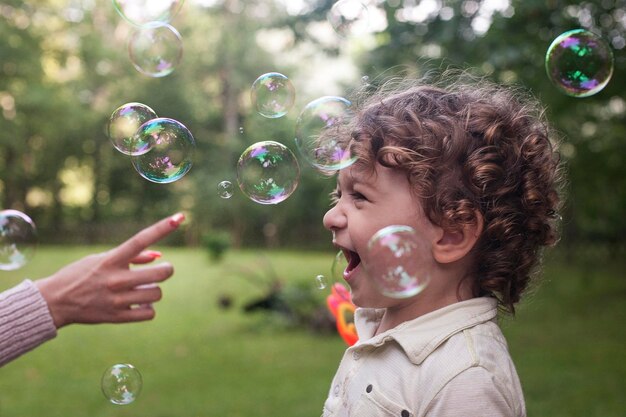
474	392
25	321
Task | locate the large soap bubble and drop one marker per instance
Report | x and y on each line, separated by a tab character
320	137
155	49
398	261
579	63
18	239
172	147
268	172
123	125
273	95
349	17
142	12
121	383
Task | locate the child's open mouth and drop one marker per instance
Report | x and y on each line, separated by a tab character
354	260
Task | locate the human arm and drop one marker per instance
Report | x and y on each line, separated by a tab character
476	392
102	288
99	288
25	321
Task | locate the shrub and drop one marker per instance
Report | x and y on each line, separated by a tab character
216	243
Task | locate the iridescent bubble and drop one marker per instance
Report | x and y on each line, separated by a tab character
171	150
398	262
155	49
121	383
340	263
268	172
320	136
142	12
18	239
349	17
273	95
320	282
124	123
241	130
225	189
579	63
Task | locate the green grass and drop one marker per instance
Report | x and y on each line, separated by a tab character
198	360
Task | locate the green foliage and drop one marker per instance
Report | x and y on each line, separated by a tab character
64	69
216	244
197	359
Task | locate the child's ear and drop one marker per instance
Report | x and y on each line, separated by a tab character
452	246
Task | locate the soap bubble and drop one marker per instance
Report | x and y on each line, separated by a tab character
340	263
142	12
320	281
268	172
349	17
320	137
398	262
273	95
225	189
124	123
121	384
579	63
18	239
171	150
155	49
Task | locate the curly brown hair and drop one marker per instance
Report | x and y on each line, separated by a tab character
471	147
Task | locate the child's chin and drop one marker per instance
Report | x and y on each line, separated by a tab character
366	302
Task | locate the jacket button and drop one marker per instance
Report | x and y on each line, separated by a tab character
368	389
405	413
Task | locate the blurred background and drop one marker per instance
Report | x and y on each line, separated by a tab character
65	67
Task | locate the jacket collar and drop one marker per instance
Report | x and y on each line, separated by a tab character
421	336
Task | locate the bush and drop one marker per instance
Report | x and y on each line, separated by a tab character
216	243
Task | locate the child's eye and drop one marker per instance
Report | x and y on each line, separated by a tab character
357	196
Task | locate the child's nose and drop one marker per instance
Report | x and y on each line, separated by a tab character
334	219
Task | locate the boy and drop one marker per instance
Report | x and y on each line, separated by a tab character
472	169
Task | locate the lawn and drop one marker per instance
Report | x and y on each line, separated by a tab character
198	359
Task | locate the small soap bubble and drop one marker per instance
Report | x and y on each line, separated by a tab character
18	239
320	281
397	262
273	95
142	12
579	63
320	136
155	49
225	189
349	17
124	124
241	130
340	263
172	147
365	79
121	384
268	172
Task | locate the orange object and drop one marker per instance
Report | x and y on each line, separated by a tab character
340	304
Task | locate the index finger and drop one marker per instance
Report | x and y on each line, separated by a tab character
146	237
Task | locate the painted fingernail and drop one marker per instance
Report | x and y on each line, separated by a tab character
153	254
177	219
